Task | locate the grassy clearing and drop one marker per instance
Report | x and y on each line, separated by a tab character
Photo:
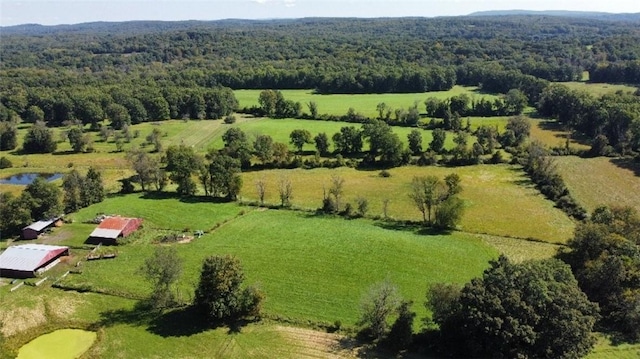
365	104
598	89
61	344
500	199
601	181
550	134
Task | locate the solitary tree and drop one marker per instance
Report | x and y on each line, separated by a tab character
336	189
376	307
437	200
426	193
162	270
263	147
39	139
313	108
439	137
299	138
147	168
219	295
78	139
8	136
183	162
285	190
322	143
261	188
415	142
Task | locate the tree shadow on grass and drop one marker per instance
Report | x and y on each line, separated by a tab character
182	322
139	315
413	227
628	164
185	199
179	322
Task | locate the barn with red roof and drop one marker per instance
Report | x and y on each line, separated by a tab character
28	260
112	228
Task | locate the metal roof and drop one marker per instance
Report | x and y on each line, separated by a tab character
115	223
40	225
28	257
105	233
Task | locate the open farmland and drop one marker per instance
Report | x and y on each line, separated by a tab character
312	268
339	104
500	199
601	181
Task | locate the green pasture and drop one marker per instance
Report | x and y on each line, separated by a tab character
500	199
597	89
601	181
339	104
312	268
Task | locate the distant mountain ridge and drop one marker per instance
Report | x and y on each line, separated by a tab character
632	17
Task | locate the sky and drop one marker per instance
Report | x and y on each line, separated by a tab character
54	12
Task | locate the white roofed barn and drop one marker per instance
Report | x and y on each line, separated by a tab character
27	260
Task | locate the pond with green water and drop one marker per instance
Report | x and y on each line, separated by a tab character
61	344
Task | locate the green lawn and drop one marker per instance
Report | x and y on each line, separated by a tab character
365	104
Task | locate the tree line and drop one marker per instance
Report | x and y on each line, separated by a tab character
121	105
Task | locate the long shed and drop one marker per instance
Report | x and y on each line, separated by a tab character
27	260
33	230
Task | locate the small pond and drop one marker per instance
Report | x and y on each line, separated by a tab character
28	178
61	344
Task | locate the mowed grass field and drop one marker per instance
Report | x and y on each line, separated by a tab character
500	199
339	104
601	181
311	267
598	89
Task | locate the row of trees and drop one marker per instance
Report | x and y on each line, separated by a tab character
121	105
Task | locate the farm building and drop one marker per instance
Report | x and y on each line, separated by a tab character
35	229
27	260
112	228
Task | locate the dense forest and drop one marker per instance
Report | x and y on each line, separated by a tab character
139	71
330	55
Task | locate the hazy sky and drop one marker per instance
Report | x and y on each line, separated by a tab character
49	12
